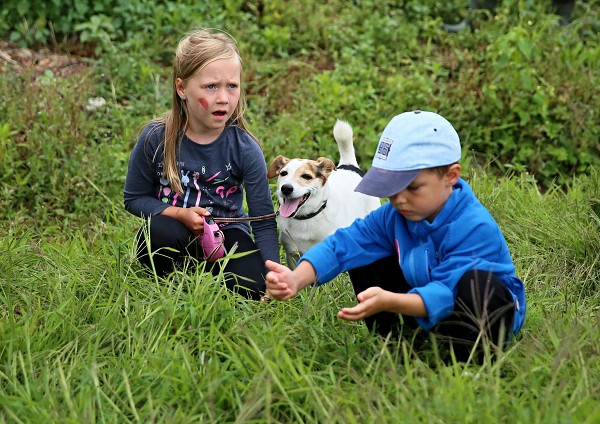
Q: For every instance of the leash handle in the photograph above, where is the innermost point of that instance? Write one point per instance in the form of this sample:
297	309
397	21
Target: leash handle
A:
212	240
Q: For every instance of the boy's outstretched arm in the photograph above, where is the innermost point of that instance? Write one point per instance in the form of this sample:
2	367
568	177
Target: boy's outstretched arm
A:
375	299
283	283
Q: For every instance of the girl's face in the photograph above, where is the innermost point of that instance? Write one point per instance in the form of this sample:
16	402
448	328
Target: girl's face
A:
426	195
211	97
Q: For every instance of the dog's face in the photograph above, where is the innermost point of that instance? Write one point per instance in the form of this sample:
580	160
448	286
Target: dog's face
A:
300	183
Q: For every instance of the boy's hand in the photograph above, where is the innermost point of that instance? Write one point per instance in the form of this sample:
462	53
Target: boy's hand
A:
281	282
372	300
375	299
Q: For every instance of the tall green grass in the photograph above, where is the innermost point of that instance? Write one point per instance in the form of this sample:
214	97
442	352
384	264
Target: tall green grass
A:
88	336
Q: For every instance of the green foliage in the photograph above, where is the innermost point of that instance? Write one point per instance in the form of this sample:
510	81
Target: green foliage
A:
550	146
35	22
87	336
99	30
521	90
104	22
57	150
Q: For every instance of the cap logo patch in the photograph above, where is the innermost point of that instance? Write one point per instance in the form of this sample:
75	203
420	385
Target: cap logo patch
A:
383	150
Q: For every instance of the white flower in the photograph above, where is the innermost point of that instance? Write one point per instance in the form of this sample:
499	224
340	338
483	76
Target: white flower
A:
95	103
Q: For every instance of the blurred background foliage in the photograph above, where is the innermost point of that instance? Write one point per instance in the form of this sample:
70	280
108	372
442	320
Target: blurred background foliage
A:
521	90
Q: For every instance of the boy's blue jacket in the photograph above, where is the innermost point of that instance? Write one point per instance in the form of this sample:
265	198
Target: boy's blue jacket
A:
433	256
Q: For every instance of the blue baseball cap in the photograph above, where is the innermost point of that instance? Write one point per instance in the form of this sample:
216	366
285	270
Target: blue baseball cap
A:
411	142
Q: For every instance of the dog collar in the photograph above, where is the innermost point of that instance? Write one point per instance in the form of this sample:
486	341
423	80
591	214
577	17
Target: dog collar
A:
310	215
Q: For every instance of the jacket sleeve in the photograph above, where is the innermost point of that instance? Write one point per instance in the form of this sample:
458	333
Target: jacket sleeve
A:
260	202
363	242
479	247
138	195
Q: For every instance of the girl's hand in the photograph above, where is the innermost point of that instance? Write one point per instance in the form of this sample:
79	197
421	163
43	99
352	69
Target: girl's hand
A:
190	217
371	301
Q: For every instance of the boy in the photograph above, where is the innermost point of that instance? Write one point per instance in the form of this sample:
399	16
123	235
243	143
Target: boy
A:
433	254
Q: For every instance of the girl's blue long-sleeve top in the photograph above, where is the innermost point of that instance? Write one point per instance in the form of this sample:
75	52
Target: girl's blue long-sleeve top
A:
433	256
215	176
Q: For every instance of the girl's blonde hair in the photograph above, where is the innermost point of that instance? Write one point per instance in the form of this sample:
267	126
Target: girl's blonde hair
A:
194	52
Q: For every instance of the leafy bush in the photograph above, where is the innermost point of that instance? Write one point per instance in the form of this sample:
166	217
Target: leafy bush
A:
534	94
520	89
512	88
107	23
62	160
36	22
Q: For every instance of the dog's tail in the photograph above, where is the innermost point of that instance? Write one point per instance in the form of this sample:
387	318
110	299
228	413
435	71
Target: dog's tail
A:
342	132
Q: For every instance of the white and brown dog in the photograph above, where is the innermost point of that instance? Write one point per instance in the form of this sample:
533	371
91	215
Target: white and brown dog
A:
316	198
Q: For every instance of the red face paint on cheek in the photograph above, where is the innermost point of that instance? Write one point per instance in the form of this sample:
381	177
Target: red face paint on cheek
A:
203	102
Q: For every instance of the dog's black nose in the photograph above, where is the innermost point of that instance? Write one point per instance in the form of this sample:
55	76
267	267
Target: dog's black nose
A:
287	189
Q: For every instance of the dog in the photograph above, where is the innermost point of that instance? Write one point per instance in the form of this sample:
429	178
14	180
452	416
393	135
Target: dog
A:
316	197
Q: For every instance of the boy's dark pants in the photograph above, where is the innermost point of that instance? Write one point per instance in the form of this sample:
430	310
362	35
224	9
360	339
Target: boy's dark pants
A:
172	243
483	306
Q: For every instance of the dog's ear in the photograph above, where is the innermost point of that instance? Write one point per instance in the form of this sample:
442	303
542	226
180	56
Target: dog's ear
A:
326	166
275	167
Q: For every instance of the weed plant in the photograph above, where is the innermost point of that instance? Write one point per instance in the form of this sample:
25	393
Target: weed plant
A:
88	336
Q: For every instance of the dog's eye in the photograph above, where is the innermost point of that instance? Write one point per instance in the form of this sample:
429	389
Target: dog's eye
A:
283	173
307	176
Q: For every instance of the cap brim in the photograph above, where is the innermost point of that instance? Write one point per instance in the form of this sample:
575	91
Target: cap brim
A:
383	183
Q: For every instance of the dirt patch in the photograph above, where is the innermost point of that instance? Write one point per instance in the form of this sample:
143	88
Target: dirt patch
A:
19	59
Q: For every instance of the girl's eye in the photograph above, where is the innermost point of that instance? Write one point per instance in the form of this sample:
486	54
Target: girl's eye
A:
211	86
307	177
233	86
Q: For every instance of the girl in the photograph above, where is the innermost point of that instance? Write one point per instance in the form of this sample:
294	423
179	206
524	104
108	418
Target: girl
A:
196	161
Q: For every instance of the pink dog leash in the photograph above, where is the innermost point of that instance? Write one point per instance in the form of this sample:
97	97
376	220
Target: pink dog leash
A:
248	218
212	239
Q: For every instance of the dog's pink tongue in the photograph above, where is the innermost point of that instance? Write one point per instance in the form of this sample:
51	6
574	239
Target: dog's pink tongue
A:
289	207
